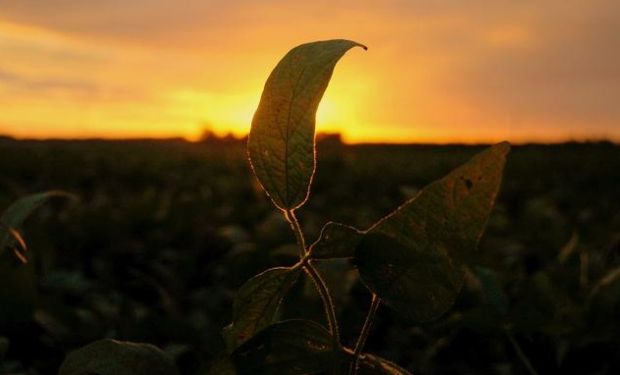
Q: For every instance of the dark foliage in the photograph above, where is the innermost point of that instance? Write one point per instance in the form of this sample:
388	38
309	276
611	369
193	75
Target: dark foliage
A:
166	232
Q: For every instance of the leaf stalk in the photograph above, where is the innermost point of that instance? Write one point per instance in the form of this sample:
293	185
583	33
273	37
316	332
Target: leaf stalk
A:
315	276
361	340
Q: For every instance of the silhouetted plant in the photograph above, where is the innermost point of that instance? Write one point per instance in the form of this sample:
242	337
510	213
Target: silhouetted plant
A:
413	260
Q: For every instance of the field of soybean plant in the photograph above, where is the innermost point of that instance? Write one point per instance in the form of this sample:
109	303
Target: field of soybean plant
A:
158	236
184	190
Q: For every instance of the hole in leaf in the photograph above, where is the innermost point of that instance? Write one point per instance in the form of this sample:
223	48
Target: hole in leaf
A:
468	184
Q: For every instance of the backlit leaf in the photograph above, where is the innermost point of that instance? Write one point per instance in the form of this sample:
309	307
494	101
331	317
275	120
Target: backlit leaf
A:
414	257
111	357
336	241
257	301
291	347
19	284
604	299
281	142
15	215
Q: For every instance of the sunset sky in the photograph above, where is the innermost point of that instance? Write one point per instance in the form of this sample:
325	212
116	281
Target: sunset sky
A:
435	71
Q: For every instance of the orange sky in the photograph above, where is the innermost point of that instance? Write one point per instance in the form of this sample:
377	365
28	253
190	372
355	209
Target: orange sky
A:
435	71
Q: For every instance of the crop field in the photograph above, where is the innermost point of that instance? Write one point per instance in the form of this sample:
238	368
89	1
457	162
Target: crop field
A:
161	234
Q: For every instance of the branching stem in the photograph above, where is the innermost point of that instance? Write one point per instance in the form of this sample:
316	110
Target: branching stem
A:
299	234
361	340
315	276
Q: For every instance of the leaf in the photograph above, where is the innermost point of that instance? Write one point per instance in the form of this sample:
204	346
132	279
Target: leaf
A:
15	215
373	365
604	298
19	287
336	241
569	248
414	257
291	347
15	238
257	301
281	144
111	357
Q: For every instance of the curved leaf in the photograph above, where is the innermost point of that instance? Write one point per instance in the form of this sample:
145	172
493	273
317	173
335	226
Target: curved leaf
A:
111	357
414	257
19	285
281	141
257	301
604	298
336	241
291	347
15	215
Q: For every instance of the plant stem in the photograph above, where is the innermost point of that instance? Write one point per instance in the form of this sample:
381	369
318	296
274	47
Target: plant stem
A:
328	304
526	362
315	276
299	234
361	340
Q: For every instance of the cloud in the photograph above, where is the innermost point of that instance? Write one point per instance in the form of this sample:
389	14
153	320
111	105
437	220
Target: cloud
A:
566	73
451	65
32	85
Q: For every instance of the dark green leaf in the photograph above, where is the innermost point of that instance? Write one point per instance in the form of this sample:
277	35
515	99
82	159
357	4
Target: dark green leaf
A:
18	280
111	357
257	301
15	215
604	299
281	142
336	241
291	347
414	258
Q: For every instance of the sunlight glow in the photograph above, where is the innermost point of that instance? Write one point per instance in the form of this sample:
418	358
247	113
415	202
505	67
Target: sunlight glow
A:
441	73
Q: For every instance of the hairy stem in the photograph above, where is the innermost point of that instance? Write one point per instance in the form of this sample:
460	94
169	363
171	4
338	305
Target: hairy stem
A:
315	276
328	304
299	234
361	340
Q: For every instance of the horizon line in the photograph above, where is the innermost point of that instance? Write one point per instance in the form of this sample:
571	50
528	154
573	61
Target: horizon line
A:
231	138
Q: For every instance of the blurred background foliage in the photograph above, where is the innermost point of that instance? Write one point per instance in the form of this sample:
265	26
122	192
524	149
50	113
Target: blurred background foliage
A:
164	232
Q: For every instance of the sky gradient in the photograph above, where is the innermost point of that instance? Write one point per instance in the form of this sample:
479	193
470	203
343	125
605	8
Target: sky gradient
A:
435	71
